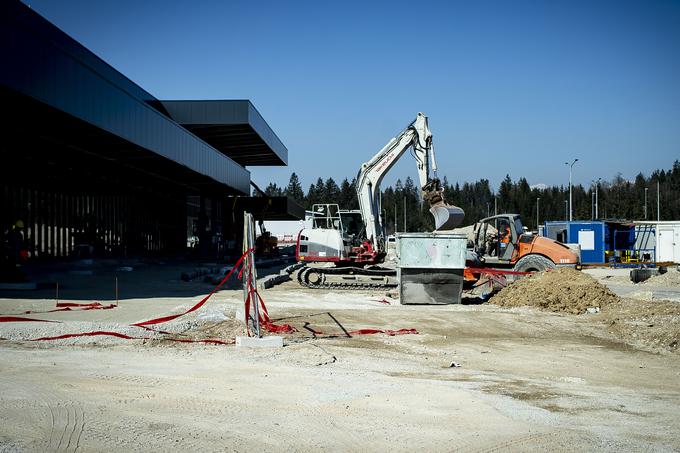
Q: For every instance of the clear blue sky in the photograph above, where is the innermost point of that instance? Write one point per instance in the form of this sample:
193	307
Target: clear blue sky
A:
510	87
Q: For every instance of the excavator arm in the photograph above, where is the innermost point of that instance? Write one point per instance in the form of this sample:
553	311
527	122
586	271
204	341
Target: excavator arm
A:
417	136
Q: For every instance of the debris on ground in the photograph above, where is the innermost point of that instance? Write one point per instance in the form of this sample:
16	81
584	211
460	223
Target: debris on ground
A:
563	290
649	325
671	279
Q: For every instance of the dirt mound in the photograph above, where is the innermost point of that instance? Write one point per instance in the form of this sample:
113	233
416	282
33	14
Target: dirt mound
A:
671	279
650	325
563	291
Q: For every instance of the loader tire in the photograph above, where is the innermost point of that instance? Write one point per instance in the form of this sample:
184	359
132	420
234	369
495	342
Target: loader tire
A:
533	263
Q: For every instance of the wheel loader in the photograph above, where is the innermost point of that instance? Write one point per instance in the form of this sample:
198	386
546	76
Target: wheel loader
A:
501	242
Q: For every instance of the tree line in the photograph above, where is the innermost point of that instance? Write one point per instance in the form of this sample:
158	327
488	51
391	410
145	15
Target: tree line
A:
403	207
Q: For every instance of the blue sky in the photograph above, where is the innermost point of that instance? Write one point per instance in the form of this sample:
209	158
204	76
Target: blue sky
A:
510	87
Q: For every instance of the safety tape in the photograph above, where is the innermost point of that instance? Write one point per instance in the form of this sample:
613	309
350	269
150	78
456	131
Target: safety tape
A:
481	270
67	306
253	296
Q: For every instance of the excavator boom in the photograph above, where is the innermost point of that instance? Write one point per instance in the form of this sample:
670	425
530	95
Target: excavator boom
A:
418	136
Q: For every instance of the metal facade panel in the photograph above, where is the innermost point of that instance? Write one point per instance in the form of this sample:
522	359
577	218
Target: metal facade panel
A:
44	63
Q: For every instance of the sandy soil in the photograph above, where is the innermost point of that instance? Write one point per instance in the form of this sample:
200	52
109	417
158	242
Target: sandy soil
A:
528	380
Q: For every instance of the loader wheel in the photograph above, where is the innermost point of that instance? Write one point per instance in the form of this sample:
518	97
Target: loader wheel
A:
533	263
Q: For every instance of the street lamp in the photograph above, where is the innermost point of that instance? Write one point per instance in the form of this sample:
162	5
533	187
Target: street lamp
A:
592	205
571	166
646	189
597	184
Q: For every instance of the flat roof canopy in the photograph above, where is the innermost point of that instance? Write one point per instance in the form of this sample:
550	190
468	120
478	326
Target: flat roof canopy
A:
233	127
48	70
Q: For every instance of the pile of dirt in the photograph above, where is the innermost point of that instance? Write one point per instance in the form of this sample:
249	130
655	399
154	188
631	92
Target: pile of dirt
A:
649	325
671	279
563	291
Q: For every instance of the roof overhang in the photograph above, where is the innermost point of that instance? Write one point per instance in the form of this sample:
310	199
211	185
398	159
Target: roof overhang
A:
54	80
234	127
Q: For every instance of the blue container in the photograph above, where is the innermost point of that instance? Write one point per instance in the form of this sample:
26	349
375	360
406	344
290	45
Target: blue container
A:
591	237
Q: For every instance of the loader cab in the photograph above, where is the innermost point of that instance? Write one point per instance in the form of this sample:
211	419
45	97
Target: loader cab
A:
497	237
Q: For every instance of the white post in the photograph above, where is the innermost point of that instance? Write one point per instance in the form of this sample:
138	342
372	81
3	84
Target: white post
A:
646	203
249	271
571	166
495	206
538	227
597	184
592	205
658	204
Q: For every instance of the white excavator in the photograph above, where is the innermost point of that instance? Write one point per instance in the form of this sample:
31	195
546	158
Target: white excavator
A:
355	240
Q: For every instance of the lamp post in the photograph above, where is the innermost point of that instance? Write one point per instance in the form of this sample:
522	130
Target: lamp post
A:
597	184
538	228
571	166
566	210
658	205
592	205
646	202
495	206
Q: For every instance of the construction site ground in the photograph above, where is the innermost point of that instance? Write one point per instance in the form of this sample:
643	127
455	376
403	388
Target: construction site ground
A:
476	377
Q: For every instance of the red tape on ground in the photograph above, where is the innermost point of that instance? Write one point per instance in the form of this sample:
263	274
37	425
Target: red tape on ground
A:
128	337
389	332
20	319
70	306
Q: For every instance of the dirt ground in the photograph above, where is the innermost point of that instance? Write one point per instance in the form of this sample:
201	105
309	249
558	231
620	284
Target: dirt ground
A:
475	377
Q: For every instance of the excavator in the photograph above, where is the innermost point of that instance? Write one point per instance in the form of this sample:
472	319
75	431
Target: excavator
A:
354	240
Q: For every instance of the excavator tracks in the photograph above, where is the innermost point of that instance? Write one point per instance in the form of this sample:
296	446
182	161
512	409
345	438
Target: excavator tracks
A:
347	278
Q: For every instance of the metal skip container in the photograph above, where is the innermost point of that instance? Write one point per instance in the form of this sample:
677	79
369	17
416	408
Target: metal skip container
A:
430	269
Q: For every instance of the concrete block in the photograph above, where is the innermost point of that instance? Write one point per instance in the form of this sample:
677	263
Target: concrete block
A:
264	342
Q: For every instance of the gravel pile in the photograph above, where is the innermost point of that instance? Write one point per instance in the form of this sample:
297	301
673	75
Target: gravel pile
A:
562	291
670	279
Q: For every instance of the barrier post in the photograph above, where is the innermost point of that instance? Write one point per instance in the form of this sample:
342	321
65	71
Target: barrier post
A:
250	273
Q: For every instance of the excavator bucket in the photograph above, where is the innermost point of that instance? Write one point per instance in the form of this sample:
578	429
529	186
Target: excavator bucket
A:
446	217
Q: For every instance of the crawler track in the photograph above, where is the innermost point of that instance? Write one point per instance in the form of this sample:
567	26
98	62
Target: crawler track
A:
347	278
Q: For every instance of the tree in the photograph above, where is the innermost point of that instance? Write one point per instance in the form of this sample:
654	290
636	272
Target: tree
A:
294	189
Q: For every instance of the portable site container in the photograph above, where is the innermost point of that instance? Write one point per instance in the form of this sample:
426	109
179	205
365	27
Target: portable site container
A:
591	236
666	239
430	269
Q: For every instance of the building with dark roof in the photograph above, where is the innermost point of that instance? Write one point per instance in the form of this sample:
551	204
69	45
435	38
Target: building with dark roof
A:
90	158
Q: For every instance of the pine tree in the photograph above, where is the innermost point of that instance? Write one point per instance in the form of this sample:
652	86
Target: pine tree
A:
294	189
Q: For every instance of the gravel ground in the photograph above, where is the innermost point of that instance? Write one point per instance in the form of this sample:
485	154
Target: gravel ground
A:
475	378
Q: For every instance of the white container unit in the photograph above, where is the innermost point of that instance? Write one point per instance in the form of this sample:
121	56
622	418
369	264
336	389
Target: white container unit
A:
667	240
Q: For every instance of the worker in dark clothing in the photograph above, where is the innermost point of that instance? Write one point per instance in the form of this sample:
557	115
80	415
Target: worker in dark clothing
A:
15	253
